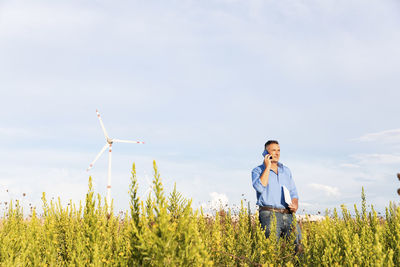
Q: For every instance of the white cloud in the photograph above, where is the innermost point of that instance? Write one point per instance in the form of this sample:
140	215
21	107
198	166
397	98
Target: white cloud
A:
7	132
376	159
388	136
329	190
330	183
349	165
305	204
47	22
218	201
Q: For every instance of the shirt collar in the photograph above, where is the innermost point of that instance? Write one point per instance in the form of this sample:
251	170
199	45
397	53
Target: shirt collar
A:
280	165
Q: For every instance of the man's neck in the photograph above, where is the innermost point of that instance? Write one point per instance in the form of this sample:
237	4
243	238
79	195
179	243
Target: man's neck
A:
273	164
274	167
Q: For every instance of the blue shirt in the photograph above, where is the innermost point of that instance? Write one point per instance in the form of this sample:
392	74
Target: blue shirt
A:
272	194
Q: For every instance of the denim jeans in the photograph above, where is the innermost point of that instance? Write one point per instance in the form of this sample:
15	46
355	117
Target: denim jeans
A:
284	225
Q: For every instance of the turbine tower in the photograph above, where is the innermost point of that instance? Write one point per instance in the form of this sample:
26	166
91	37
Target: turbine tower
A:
109	143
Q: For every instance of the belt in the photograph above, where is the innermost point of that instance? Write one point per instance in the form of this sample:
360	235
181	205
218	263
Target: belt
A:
276	210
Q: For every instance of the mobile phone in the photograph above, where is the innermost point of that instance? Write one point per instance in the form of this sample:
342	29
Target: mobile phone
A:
265	153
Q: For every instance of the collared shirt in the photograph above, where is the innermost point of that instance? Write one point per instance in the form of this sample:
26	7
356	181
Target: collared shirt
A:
272	194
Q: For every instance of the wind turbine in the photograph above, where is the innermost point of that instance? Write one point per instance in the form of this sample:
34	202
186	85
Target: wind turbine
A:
109	143
149	188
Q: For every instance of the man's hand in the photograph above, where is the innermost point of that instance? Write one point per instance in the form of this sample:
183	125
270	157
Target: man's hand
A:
267	161
294	206
265	175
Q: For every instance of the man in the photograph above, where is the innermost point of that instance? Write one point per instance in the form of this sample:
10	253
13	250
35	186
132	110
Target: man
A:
269	180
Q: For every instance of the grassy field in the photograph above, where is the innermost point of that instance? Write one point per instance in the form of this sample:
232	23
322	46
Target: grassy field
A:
164	230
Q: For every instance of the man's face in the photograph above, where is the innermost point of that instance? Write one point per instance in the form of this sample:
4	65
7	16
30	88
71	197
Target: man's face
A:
275	151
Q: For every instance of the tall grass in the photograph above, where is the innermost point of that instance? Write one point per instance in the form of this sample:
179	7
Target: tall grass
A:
164	230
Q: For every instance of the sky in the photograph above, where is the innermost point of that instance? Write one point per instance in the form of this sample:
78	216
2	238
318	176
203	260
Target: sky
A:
204	84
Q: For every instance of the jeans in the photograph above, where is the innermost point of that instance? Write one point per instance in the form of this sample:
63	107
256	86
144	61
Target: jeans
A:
284	225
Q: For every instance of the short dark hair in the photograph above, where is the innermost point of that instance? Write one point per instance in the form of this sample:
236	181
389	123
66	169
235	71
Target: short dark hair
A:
270	142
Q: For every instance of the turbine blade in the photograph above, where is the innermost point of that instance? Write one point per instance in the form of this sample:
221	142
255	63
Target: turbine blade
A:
127	141
102	125
97	157
145	192
147	180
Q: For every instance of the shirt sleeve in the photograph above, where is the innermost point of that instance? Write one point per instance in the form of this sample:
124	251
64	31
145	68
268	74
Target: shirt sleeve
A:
258	186
292	189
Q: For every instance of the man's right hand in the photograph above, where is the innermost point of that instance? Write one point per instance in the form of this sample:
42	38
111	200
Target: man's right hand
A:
267	161
265	175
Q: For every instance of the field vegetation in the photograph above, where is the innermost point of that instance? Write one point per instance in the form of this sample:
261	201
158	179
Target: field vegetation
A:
164	230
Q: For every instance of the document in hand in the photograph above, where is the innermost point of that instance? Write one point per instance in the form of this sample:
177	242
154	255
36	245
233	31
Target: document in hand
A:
286	194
